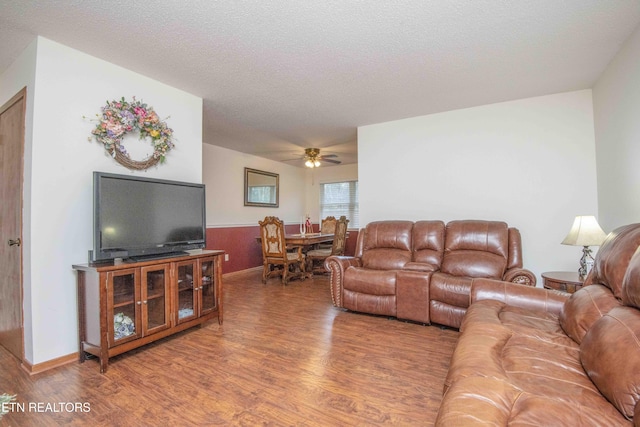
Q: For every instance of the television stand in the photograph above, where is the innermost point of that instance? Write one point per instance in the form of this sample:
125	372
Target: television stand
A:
125	305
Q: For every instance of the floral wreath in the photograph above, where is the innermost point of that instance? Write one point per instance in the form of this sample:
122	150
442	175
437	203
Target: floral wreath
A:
121	117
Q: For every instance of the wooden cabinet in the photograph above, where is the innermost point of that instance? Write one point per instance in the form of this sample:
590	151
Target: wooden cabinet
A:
195	293
123	305
138	301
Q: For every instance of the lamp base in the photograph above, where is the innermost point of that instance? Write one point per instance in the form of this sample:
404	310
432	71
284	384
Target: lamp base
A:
586	263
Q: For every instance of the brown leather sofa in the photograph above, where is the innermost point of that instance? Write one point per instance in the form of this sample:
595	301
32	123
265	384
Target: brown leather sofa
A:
422	271
531	356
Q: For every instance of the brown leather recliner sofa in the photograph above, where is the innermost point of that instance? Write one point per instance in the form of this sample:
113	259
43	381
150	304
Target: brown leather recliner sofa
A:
531	356
422	271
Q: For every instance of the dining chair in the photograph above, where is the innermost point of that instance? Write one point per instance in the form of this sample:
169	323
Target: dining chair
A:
327	226
277	261
316	257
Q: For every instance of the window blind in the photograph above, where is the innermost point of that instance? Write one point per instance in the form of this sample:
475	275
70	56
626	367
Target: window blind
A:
340	198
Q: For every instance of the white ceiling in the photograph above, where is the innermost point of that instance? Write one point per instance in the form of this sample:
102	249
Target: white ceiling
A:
279	76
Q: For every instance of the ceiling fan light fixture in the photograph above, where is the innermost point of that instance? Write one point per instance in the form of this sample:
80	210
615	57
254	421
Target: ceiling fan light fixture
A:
312	158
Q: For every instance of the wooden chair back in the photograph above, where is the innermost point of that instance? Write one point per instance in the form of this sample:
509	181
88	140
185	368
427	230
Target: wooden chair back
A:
272	237
276	259
340	236
328	225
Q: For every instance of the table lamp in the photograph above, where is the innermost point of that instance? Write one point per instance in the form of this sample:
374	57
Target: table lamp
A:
585	232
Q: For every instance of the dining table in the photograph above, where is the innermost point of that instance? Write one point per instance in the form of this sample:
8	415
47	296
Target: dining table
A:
308	239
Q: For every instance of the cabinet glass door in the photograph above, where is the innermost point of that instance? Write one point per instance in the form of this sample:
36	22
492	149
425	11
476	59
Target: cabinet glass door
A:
207	286
123	306
155	298
186	298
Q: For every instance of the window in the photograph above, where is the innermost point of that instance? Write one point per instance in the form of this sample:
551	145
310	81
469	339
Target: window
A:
340	198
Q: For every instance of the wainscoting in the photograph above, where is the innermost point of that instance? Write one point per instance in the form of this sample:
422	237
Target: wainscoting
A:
243	249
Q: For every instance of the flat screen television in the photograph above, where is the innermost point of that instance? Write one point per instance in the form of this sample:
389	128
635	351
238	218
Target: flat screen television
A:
138	218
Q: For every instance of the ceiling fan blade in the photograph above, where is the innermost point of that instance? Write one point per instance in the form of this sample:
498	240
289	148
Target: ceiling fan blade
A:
325	156
337	162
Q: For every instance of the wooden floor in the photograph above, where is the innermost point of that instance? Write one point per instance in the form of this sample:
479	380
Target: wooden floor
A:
284	357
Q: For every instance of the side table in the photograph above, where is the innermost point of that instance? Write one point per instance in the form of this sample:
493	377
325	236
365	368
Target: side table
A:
565	281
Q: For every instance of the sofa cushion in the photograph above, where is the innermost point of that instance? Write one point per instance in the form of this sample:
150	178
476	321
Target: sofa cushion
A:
613	258
428	242
370	291
373	282
384	305
485	401
631	282
541	325
452	289
608	354
584	308
476	249
446	314
527	348
387	245
449	297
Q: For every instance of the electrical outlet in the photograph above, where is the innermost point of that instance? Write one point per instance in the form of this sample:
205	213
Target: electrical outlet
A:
226	257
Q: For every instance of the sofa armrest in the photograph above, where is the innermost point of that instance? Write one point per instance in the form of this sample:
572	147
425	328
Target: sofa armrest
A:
521	276
336	265
517	295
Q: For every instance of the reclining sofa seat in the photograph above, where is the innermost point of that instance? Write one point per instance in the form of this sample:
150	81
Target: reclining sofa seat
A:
531	356
474	249
370	284
422	271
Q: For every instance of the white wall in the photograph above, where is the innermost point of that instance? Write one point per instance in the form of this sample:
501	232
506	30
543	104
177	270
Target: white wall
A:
70	85
223	174
616	99
529	162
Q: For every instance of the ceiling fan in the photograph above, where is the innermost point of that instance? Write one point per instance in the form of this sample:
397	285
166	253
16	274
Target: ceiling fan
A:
313	159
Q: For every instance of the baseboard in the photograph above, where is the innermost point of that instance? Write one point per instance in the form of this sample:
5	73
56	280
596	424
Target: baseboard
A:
49	364
240	272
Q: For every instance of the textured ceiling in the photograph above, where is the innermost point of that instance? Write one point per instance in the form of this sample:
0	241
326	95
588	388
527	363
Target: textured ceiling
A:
279	76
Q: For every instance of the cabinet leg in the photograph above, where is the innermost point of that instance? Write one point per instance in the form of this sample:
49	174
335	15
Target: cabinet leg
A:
104	361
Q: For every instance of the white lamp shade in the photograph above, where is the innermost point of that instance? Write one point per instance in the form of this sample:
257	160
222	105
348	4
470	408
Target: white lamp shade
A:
585	231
